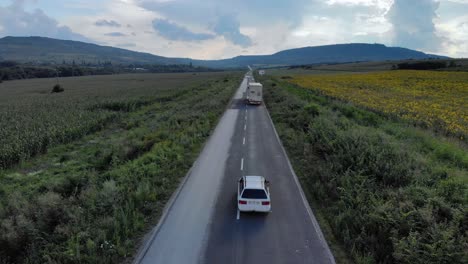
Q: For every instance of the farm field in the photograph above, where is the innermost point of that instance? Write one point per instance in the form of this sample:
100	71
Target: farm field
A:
383	191
360	67
87	171
428	98
33	119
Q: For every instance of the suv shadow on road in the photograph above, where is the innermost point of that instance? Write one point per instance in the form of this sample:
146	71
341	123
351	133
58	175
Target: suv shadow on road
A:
237	104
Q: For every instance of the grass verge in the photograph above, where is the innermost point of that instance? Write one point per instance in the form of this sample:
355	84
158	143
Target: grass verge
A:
385	192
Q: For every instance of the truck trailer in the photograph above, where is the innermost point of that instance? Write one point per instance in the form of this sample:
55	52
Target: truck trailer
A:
254	94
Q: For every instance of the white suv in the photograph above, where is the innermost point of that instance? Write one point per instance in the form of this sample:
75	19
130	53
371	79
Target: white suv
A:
253	194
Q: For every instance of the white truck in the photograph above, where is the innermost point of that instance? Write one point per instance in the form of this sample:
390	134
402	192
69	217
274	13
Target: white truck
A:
254	93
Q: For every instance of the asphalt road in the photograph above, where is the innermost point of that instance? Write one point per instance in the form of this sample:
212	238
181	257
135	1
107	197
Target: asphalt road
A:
202	224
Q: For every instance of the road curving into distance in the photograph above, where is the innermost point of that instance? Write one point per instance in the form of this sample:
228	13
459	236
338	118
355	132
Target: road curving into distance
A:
201	223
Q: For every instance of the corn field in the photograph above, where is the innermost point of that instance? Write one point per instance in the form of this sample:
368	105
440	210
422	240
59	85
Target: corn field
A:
32	118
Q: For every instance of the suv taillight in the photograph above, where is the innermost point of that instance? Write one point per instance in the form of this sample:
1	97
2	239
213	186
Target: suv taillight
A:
242	202
265	203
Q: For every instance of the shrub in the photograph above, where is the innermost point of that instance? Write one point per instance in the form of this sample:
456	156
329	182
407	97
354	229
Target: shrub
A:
57	89
312	109
49	211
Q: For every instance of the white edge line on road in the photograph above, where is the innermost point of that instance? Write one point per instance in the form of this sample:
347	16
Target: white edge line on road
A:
304	200
149	238
149	241
242	164
243	141
238	214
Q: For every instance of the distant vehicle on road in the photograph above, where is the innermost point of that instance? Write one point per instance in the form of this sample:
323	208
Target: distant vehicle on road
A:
253	194
254	94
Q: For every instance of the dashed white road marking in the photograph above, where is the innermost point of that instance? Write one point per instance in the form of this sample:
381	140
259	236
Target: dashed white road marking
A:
245	127
238	214
242	164
243	141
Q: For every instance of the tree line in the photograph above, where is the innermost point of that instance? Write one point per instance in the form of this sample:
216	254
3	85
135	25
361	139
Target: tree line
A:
11	70
425	65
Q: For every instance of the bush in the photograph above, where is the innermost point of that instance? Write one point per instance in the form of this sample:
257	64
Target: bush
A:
312	109
57	89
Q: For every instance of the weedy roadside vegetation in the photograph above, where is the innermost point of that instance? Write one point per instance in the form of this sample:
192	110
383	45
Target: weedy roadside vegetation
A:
388	191
90	200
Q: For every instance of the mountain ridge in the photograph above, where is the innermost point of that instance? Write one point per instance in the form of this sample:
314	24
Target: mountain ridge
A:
48	50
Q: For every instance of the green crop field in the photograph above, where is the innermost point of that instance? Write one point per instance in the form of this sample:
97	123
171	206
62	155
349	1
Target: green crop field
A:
33	119
384	190
84	173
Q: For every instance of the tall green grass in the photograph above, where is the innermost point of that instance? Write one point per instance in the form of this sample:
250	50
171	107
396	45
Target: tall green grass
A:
391	193
91	200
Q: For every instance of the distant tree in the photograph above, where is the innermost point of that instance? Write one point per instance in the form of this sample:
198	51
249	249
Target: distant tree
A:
452	64
8	63
424	65
57	89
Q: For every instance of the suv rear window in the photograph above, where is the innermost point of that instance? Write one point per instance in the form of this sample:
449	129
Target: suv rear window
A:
254	194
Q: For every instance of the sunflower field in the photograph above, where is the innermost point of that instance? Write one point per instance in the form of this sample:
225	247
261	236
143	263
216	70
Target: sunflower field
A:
436	100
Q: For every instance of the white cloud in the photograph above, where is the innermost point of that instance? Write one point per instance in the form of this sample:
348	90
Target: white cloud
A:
457	29
16	21
413	24
252	27
383	4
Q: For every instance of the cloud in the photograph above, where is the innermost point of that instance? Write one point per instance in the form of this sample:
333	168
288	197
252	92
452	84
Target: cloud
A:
228	27
253	11
115	34
413	24
172	31
15	21
126	45
229	18
107	23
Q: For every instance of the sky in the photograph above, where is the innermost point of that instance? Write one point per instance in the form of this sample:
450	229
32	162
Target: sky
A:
216	29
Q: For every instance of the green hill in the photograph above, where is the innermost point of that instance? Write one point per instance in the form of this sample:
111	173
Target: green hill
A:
47	50
339	53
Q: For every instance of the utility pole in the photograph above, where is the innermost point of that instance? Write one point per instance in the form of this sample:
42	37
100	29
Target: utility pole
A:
56	76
